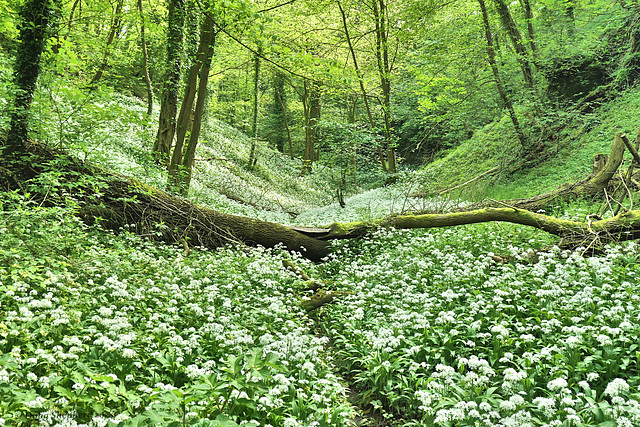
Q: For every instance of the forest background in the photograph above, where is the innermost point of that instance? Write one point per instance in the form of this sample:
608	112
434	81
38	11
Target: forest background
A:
352	84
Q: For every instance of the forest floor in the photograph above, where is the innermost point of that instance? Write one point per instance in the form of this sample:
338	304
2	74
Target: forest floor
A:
486	324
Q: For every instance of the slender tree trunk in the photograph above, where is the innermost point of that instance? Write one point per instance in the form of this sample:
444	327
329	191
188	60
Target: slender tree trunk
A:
528	14
190	152
71	16
184	119
380	151
280	100
384	70
169	99
571	19
145	62
516	39
312	100
35	18
111	37
496	73
254	116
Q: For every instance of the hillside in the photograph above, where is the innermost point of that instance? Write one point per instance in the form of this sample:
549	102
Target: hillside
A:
571	141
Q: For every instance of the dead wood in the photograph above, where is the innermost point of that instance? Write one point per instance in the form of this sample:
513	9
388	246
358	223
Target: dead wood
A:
476	178
123	202
321	298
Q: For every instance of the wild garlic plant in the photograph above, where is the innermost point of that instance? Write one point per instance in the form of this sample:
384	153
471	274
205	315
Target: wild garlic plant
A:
436	332
98	329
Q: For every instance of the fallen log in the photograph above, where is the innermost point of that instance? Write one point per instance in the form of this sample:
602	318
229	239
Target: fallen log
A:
624	226
116	201
605	167
589	187
119	201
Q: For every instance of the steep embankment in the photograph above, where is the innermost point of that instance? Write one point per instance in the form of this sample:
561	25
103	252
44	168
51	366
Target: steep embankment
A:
111	130
570	140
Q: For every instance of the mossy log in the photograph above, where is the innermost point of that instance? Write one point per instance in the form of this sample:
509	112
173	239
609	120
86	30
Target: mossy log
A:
116	201
625	226
144	207
321	298
590	187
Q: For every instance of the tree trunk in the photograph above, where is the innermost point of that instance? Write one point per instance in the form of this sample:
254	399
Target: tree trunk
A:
586	188
35	18
145	62
115	27
76	3
384	70
312	116
571	19
491	54
280	102
254	116
125	201
169	99
184	119
190	152
528	14
185	222
383	163
625	226
516	39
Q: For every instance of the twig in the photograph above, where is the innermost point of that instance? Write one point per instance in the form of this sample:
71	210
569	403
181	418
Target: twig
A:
490	171
607	200
631	148
506	205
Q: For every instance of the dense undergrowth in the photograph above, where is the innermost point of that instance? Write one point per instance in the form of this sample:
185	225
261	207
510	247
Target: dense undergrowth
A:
440	331
98	328
462	326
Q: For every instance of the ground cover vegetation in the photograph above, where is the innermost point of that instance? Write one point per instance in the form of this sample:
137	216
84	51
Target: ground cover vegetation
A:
306	113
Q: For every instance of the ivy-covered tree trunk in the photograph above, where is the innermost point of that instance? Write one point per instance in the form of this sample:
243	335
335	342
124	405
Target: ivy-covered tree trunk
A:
570	10
184	119
36	19
169	99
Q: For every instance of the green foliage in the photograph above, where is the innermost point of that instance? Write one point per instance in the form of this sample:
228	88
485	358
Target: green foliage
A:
349	151
495	145
98	328
449	327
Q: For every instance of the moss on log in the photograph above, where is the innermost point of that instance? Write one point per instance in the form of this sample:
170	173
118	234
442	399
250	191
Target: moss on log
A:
625	226
586	188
